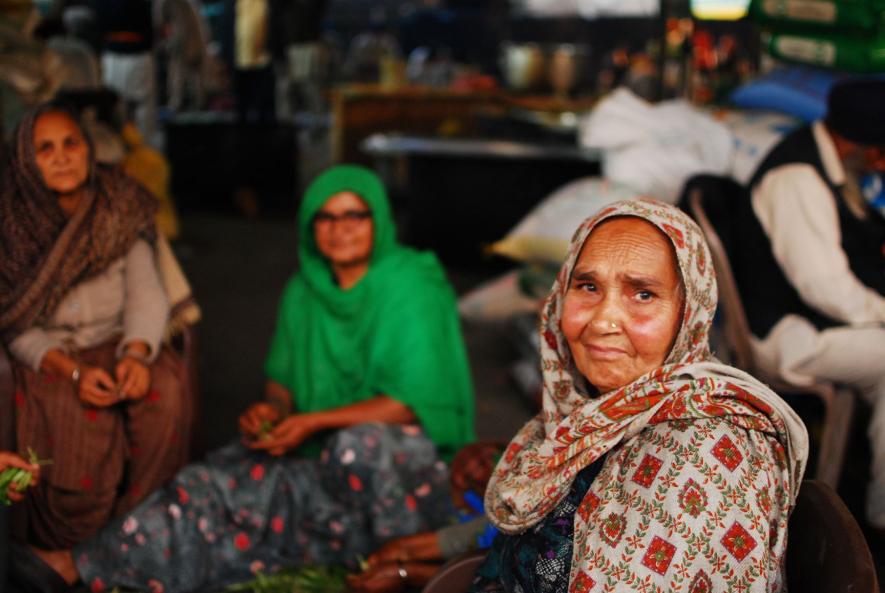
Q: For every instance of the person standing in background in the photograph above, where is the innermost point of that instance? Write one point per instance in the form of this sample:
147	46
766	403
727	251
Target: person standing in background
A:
127	59
253	78
294	41
185	41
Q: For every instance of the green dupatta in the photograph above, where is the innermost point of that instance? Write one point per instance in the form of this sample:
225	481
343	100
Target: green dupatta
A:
395	333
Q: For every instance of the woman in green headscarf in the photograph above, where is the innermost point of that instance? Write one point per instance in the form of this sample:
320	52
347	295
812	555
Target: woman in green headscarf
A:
367	329
368	353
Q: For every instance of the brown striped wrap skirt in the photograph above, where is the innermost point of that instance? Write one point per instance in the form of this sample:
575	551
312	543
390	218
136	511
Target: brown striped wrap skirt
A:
104	460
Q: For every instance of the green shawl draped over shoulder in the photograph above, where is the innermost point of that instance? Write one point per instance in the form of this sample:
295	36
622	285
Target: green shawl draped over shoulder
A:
395	333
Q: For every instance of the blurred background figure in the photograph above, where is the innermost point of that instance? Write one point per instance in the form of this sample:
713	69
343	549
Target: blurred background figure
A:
150	167
294	40
127	59
79	67
370	48
184	43
29	73
253	78
80	22
19	14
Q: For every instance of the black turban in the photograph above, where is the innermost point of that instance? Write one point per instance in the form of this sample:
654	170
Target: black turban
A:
856	111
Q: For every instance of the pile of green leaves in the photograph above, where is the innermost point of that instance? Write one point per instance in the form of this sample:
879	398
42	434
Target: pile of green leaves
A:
18	478
308	579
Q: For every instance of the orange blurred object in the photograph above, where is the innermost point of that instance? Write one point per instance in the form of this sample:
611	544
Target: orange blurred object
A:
475	83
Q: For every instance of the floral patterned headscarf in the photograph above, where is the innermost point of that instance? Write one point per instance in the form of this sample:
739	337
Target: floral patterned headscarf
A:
577	426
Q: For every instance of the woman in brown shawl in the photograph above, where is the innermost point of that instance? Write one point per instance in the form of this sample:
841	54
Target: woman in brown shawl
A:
83	311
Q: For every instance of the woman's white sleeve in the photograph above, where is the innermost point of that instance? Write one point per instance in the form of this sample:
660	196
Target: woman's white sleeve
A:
146	306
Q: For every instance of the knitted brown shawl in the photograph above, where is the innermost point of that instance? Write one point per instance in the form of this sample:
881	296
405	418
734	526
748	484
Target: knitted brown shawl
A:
43	253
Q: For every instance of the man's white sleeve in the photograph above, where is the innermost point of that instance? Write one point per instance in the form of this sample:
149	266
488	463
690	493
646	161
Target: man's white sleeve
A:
796	209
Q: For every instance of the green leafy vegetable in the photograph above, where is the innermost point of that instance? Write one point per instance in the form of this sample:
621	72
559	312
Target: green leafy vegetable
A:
18	478
308	579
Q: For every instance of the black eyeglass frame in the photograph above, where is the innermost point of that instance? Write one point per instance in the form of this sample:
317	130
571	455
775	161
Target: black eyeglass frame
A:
348	217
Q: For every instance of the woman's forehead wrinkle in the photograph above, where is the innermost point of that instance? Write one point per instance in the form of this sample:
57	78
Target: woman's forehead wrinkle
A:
635	253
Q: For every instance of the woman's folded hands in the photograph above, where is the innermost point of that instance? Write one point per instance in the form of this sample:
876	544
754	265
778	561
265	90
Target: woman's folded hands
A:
96	387
133	378
405	561
287	434
265	428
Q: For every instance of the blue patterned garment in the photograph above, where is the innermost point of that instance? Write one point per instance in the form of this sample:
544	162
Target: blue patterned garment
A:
242	512
538	560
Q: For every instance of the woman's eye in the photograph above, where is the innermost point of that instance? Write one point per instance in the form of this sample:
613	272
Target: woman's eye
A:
587	286
644	295
72	142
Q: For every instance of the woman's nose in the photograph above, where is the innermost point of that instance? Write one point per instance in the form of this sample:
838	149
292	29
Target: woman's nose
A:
607	316
60	156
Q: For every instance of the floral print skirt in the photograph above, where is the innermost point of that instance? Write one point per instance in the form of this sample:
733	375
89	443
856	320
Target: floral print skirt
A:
243	512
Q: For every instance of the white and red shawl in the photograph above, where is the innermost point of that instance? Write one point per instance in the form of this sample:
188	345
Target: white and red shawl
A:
704	461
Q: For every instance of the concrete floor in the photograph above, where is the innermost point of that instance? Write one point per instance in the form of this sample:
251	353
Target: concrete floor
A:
238	268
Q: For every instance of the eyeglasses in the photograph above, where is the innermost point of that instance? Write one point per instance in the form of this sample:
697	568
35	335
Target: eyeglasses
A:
348	218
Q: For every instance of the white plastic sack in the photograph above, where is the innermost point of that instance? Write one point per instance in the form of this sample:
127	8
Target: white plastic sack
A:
499	298
544	234
547	8
655	148
589	9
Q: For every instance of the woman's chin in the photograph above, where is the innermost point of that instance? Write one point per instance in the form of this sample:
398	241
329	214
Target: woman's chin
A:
606	382
602	376
604	385
64	188
349	260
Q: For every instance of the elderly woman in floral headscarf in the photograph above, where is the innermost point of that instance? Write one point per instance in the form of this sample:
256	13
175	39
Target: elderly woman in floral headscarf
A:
652	467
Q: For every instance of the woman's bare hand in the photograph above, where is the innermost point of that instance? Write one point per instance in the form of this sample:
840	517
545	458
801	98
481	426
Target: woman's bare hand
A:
255	415
381	579
8	460
96	387
133	378
286	435
411	548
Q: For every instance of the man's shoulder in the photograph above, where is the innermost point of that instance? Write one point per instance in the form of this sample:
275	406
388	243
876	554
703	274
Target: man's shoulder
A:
798	146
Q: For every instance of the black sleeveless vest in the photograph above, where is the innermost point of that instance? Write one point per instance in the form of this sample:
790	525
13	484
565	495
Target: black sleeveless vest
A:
767	294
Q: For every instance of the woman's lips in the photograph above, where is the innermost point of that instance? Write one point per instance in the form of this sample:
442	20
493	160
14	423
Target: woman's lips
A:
605	352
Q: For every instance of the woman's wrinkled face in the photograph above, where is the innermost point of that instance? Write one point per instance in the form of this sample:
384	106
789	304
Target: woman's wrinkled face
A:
62	152
343	230
622	309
